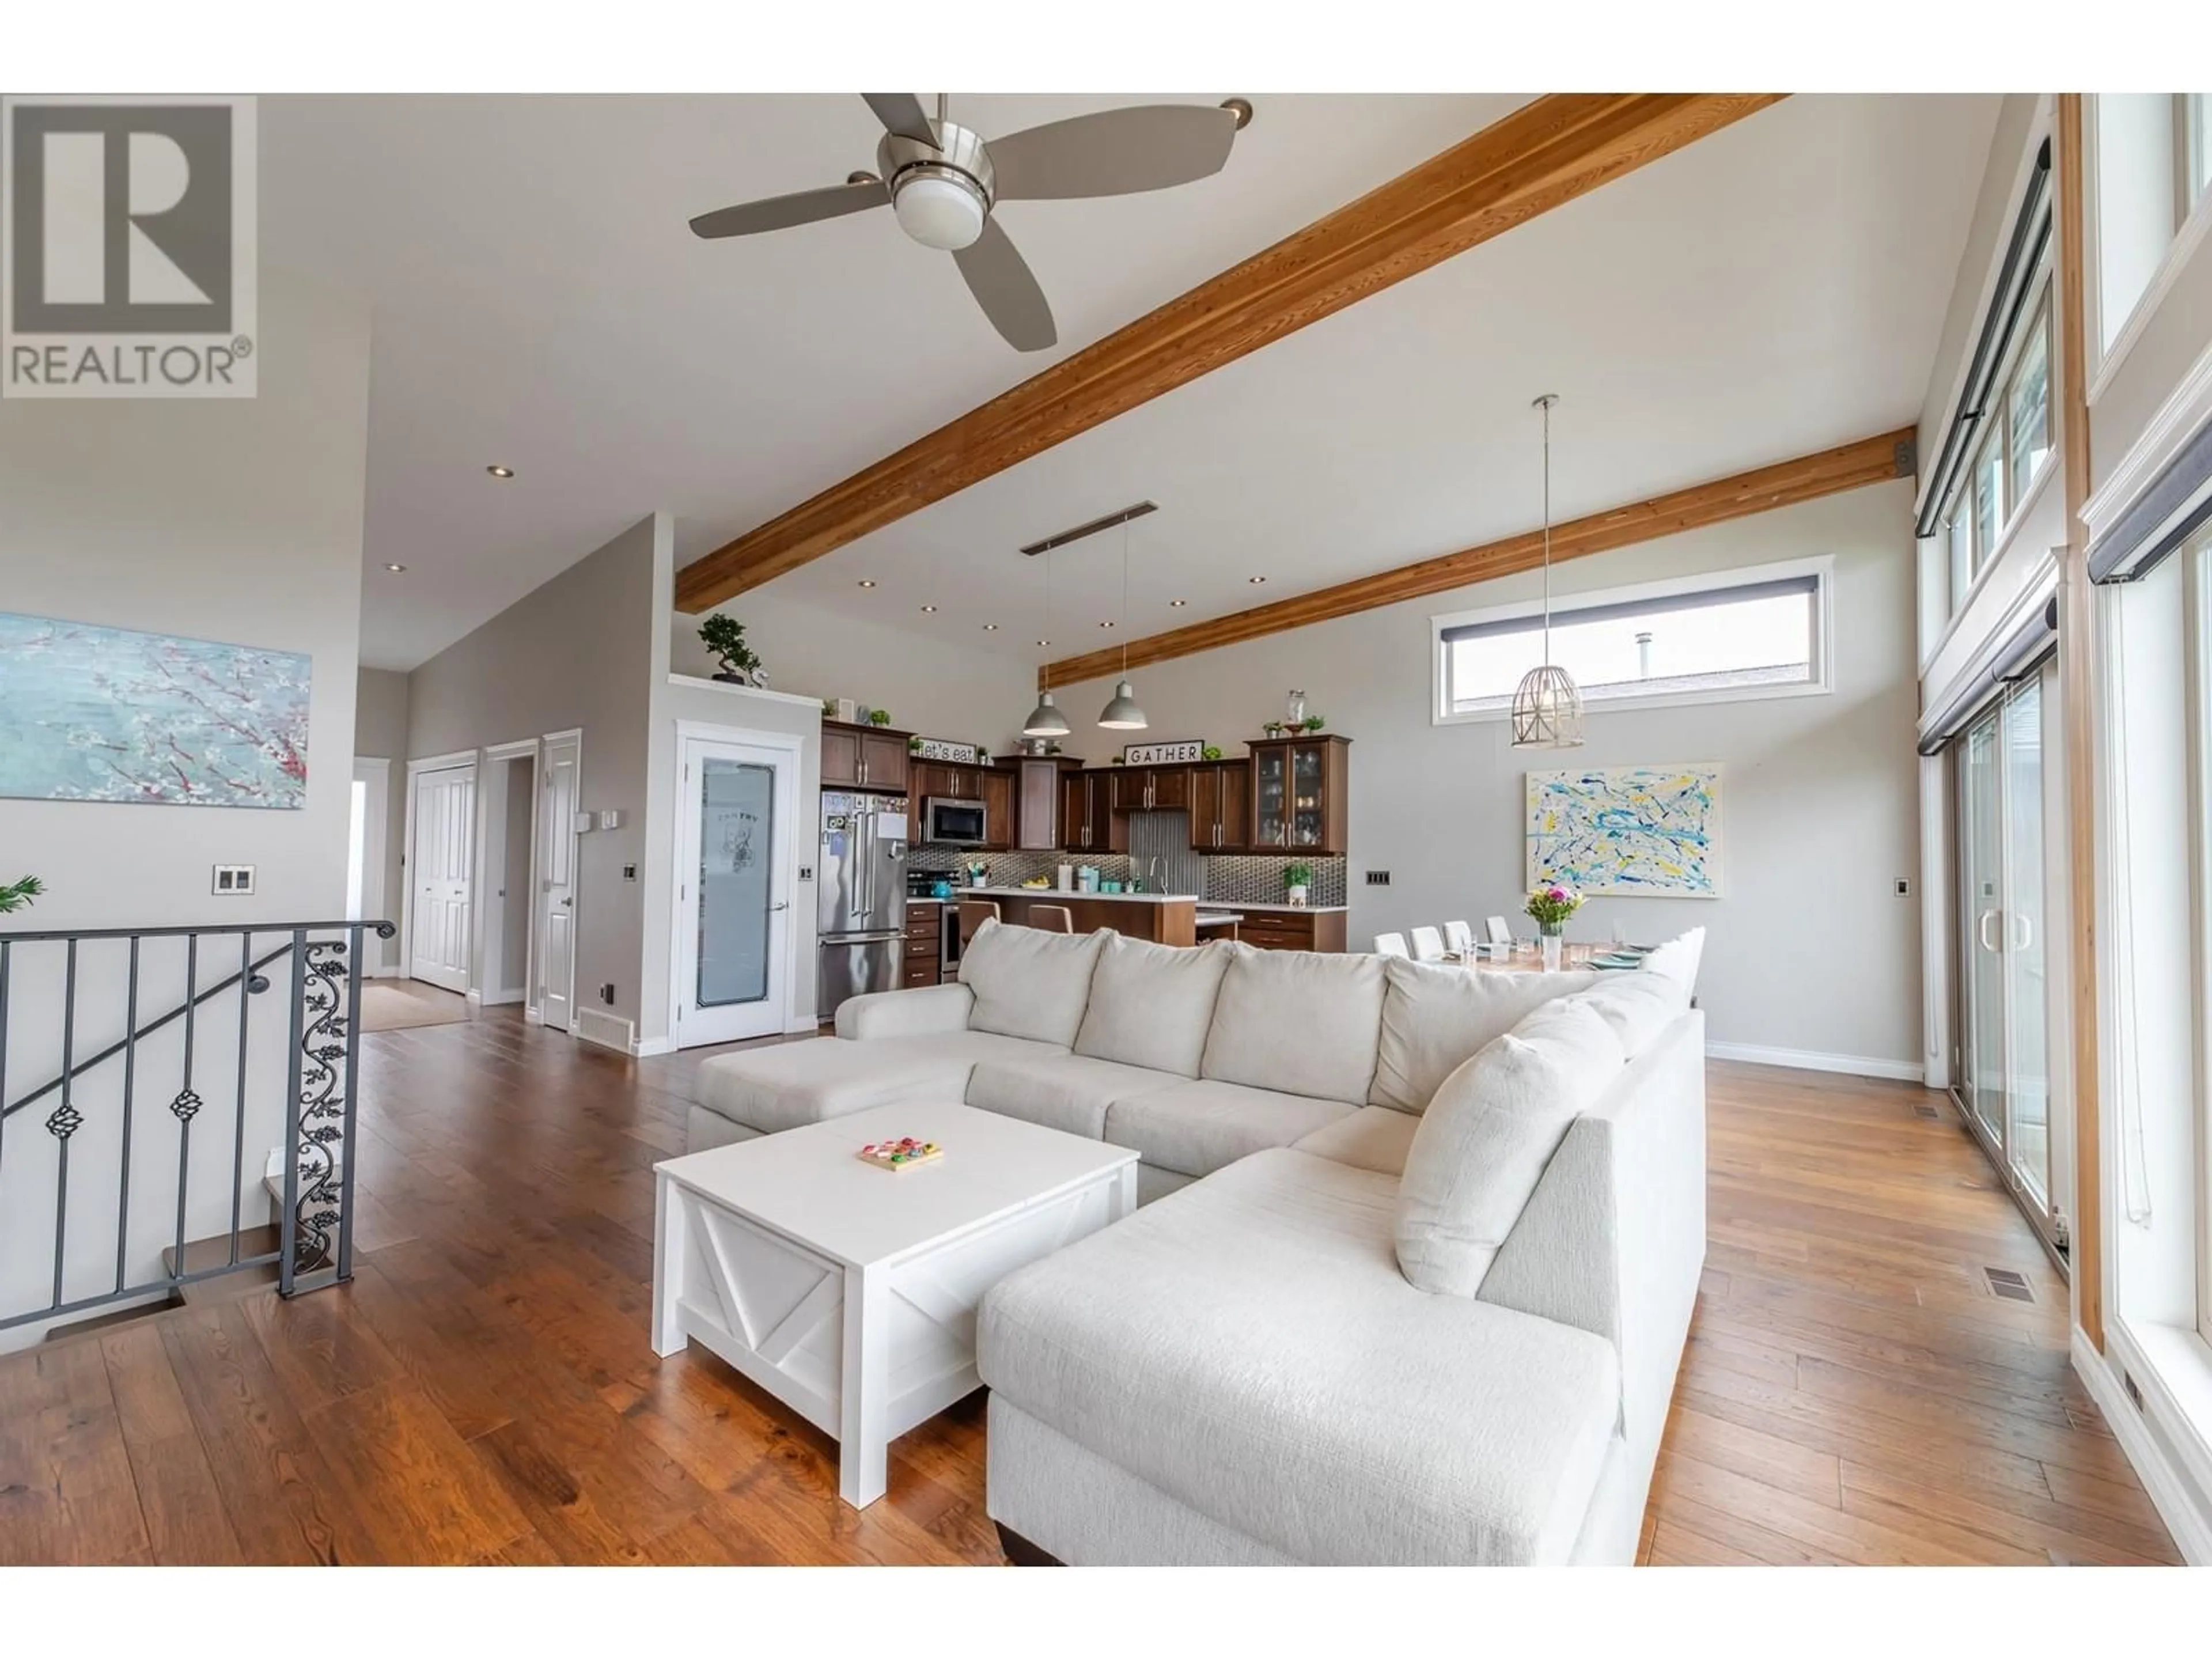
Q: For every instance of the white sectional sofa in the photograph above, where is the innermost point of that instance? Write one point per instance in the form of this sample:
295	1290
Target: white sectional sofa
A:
1252	1371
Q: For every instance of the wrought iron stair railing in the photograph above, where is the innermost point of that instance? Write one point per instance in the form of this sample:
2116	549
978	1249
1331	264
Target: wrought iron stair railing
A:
316	1076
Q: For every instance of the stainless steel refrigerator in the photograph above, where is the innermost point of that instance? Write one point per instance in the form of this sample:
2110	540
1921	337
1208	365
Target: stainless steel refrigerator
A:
863	888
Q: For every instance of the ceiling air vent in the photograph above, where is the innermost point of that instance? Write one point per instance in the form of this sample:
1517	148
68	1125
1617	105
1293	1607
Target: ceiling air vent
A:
2007	1284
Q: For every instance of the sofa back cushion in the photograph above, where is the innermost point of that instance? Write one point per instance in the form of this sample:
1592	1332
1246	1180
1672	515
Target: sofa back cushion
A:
1638	1006
1030	983
1435	1017
1298	1022
1152	1004
1678	959
1483	1143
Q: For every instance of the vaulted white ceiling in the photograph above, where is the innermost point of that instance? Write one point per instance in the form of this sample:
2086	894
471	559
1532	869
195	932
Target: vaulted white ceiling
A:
539	302
1774	290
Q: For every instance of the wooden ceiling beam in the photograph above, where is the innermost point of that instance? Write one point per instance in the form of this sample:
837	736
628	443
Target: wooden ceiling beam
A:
1547	152
1808	477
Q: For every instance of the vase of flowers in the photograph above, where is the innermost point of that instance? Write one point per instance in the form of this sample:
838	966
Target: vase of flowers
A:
1550	905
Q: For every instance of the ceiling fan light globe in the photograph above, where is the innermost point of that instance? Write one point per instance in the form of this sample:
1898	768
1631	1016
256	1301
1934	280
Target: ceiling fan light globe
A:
940	209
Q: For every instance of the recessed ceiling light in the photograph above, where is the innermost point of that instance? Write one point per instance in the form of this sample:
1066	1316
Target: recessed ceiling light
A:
867	582
1106	624
1255	580
929	607
1044	641
395	568
990	628
1177	604
498	472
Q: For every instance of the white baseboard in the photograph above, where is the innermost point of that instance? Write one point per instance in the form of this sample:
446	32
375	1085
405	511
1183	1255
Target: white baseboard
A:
531	1015
1808	1060
498	999
382	970
646	1048
2170	1493
607	1030
474	997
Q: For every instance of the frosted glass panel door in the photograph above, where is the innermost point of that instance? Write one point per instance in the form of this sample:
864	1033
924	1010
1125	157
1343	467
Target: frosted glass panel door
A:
1983	933
733	895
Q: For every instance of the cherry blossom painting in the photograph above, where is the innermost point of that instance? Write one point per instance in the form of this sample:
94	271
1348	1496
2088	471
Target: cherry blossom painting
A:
109	714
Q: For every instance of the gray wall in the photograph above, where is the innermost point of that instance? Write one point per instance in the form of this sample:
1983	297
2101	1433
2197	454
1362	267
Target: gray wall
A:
929	685
575	653
232	520
1811	950
380	733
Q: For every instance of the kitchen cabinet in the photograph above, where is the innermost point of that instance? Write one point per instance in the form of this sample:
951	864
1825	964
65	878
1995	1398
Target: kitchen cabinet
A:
1040	799
863	757
1300	794
1086	812
1150	789
995	788
1220	806
1292	930
921	965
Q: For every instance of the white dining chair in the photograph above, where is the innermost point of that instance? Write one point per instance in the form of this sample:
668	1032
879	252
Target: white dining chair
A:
1428	945
1391	944
1498	932
1458	939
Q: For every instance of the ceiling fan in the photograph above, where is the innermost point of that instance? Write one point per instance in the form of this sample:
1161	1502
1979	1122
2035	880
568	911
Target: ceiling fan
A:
942	180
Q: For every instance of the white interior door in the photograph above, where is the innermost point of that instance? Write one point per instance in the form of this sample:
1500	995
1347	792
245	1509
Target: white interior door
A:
733	890
557	884
438	931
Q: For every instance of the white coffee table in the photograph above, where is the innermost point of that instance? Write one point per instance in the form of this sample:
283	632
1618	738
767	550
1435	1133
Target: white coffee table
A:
849	1292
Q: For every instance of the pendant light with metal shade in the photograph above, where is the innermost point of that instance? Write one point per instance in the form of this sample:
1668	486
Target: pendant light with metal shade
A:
1045	721
1548	705
1121	714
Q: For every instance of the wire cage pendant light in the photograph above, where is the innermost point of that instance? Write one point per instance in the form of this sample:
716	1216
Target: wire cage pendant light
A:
1045	721
1121	713
1548	705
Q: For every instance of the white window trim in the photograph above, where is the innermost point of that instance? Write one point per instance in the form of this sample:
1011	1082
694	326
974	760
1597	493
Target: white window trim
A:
1822	567
2105	367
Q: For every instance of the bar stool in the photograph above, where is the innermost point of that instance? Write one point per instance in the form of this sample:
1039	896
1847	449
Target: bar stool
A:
974	913
1051	918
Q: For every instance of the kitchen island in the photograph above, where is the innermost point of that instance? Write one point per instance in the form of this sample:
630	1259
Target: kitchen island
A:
1171	918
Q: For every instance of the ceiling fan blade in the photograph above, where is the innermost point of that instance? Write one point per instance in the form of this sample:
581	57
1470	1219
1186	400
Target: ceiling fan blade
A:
782	212
1003	284
1115	152
900	112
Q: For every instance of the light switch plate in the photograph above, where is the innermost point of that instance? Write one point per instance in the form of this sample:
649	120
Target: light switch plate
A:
610	819
233	880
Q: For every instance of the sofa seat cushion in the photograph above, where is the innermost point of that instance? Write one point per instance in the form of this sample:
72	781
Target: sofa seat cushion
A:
1248	1347
1067	1092
1152	1004
1301	1022
1374	1137
1437	1017
796	1083
1029	983
1193	1128
1484	1142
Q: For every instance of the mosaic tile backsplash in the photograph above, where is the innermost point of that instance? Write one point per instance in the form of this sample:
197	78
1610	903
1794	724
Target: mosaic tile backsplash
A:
1239	879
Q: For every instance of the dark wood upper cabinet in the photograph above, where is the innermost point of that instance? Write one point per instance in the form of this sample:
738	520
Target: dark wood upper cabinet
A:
1086	811
1041	799
1150	789
863	757
1220	806
997	793
1300	794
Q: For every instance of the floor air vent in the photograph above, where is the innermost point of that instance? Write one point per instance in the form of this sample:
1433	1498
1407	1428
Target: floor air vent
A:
1926	1111
2005	1283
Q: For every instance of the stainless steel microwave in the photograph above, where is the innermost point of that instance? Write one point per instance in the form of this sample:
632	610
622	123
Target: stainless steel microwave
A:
948	822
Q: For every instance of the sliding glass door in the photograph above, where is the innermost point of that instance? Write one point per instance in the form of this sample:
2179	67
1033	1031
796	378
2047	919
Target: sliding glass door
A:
2004	1048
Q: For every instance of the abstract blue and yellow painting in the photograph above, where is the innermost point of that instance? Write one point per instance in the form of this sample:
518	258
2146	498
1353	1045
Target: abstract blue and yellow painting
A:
1627	830
109	714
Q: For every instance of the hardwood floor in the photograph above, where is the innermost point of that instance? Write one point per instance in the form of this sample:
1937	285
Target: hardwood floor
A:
483	1391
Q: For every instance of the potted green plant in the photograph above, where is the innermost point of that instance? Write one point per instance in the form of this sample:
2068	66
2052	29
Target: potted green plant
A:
1273	728
18	894
1211	751
879	717
914	744
1314	722
724	635
1298	880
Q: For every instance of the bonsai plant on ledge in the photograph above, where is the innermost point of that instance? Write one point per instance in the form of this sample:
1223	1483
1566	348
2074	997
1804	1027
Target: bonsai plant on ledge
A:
724	635
17	896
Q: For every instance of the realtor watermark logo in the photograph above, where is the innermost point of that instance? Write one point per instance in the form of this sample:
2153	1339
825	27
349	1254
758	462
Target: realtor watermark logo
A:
127	247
